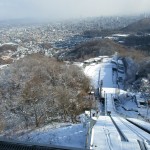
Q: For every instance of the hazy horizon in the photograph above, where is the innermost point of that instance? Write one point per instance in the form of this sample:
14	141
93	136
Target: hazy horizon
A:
67	9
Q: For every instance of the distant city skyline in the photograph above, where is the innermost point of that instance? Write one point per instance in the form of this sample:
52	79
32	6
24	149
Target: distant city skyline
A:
67	9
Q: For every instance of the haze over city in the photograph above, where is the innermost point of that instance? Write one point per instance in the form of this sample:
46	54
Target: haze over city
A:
66	9
75	74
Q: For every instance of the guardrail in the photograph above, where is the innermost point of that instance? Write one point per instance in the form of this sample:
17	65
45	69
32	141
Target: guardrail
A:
89	127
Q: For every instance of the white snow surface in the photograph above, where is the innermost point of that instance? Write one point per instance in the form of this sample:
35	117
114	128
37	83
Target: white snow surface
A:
104	134
92	71
3	66
69	136
121	35
101	71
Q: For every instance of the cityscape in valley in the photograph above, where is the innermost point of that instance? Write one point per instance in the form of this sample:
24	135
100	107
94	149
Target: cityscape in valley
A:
79	82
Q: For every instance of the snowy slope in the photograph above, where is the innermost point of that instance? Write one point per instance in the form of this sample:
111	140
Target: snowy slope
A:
105	134
70	136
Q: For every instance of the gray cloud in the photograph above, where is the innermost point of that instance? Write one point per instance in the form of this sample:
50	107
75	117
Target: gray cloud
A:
63	9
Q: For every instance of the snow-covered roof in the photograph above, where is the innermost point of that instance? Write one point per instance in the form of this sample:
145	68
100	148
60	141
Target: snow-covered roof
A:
121	35
10	43
120	62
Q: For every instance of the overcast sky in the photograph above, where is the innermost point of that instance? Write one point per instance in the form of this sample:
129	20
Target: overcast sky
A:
65	9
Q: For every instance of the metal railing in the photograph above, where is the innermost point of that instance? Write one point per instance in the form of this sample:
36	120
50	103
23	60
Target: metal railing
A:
89	127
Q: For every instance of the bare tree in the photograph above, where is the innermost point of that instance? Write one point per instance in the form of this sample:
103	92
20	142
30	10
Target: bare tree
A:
37	90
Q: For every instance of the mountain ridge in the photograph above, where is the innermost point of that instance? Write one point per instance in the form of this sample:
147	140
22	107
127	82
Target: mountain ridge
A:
142	25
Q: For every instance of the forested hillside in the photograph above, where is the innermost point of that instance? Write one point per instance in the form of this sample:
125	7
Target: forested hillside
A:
37	90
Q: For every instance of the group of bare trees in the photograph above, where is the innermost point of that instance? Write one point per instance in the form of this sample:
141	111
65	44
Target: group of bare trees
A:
37	90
